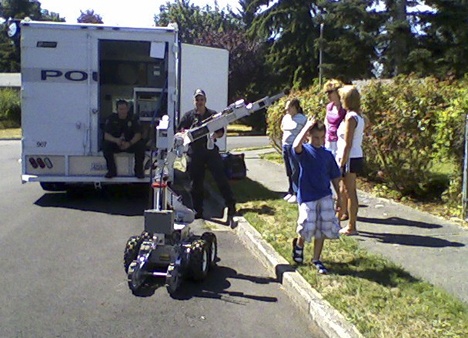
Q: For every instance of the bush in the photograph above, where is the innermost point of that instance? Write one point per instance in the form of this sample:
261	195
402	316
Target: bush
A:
414	123
256	121
403	118
10	108
312	102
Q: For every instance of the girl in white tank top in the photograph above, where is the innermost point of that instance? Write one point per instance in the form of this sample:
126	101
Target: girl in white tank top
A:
349	156
356	146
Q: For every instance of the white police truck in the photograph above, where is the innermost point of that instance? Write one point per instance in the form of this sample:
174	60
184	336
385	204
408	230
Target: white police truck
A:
72	76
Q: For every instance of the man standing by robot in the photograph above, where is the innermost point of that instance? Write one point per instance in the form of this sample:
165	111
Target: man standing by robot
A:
204	153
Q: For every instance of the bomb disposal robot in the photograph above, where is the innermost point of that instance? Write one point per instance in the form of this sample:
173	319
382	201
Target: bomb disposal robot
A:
167	248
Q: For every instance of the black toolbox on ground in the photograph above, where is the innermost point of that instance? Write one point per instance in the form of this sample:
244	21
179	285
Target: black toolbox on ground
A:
234	165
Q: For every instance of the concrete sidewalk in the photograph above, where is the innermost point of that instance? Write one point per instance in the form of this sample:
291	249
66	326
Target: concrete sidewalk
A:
426	246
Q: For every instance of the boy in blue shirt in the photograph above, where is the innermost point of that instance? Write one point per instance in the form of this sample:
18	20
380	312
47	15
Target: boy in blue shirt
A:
317	215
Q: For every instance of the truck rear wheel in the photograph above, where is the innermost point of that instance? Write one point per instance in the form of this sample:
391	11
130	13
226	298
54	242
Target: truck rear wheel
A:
53	186
199	260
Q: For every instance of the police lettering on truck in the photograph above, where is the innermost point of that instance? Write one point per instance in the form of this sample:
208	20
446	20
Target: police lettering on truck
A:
71	75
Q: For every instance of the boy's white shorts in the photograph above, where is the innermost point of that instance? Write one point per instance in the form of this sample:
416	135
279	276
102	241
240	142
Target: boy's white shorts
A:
317	219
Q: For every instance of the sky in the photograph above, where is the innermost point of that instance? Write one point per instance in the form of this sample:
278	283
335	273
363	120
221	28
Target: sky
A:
134	13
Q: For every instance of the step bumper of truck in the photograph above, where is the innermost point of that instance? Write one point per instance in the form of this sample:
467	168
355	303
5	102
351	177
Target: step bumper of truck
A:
84	179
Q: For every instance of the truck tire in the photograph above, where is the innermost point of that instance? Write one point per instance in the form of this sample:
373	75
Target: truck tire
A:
212	243
198	262
131	250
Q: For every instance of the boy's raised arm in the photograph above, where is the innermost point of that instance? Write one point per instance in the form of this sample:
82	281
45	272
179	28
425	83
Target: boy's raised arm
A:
302	136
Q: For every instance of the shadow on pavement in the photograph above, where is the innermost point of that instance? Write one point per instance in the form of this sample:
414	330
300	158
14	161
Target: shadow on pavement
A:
281	269
388	277
128	200
397	221
118	199
410	240
218	220
244	187
215	286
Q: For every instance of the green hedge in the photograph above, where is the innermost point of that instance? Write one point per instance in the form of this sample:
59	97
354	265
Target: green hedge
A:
10	108
415	123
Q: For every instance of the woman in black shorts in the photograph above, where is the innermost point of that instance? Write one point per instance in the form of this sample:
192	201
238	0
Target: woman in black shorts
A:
349	155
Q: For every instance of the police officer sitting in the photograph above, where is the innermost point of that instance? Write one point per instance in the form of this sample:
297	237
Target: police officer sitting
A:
122	133
204	153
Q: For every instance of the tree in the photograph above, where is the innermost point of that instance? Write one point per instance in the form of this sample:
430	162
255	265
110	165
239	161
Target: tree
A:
9	54
289	28
443	40
292	30
51	16
249	75
351	30
396	38
18	9
425	40
193	21
89	17
222	29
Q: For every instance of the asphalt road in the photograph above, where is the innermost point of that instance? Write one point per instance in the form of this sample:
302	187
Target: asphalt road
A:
236	142
62	272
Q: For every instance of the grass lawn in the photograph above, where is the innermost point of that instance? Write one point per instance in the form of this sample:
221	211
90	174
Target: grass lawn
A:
379	297
241	130
10	133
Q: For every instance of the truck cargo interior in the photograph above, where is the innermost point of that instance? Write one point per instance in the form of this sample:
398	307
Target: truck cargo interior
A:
135	71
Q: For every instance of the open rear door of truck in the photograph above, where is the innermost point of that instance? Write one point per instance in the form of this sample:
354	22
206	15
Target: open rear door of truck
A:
206	68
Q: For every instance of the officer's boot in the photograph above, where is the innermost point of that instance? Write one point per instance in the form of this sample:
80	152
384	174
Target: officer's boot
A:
231	212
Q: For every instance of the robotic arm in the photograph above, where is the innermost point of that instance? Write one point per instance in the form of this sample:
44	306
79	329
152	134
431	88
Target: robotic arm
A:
234	112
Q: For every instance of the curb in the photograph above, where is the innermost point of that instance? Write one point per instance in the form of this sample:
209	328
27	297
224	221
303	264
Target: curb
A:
308	300
10	138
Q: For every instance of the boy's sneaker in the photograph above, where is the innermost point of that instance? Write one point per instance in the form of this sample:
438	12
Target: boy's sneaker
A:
320	267
287	197
297	252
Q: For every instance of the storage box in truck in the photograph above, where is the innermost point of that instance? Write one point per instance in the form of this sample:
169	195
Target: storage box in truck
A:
72	77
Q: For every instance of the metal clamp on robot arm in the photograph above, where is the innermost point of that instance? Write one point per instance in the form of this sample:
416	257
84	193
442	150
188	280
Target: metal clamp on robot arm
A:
232	113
